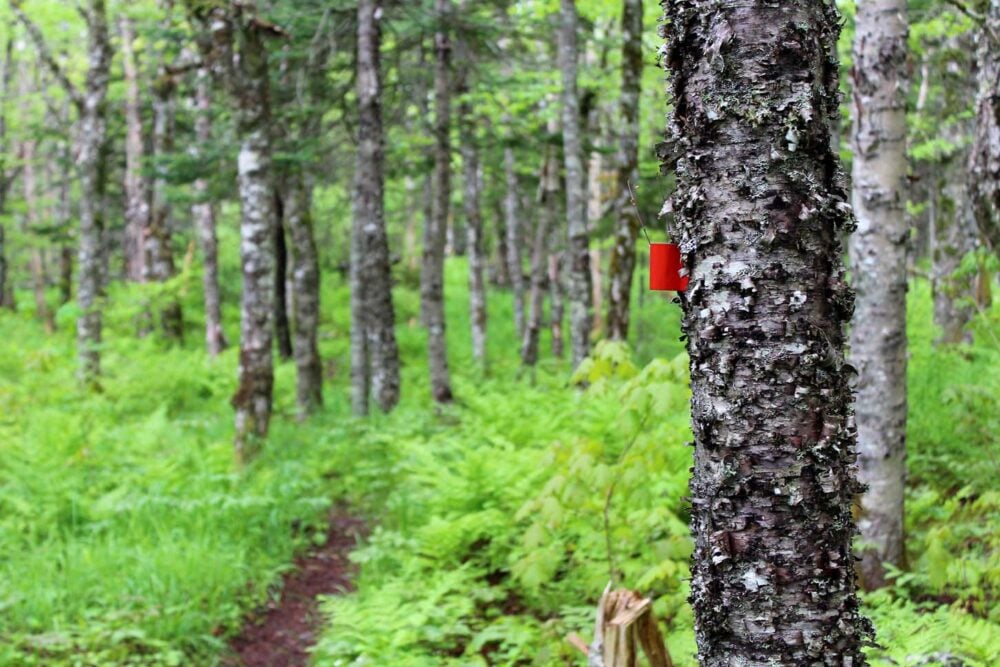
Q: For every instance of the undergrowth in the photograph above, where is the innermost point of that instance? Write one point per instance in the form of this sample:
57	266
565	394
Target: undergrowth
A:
129	537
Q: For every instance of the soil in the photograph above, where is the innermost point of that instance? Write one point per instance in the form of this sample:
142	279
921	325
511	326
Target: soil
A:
281	633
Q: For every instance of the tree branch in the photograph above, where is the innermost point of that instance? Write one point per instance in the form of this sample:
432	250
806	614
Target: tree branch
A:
45	55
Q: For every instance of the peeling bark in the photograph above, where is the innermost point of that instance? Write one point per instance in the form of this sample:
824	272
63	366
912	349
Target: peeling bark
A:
758	209
204	215
622	265
578	248
374	351
878	268
432	274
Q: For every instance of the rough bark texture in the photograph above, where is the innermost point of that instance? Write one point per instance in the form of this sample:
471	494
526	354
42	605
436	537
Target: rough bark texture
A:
157	237
204	216
578	248
373	336
515	239
878	269
137	201
984	162
758	209
474	245
622	265
234	47
432	274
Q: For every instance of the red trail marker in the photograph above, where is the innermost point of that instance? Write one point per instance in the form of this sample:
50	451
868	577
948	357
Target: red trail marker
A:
665	268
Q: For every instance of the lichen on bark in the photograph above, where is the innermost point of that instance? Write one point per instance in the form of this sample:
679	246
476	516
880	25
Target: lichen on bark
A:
759	206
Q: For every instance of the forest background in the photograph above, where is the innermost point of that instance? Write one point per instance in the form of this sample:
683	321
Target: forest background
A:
130	535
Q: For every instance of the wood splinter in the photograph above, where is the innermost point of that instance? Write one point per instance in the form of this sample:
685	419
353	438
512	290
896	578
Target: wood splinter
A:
624	619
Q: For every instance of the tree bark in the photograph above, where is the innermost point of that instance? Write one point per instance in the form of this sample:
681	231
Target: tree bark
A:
578	248
432	274
984	160
758	209
878	269
622	265
500	271
474	245
5	178
137	199
373	322
234	47
548	189
515	239
282	329
157	236
203	212
557	310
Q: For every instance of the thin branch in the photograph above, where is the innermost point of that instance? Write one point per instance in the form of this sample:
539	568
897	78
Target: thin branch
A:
46	55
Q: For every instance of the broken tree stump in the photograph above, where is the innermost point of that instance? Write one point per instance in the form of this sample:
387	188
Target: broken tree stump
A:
624	624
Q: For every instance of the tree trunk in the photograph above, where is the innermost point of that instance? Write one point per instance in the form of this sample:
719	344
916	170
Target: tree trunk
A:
373	317
137	202
92	130
29	183
500	273
157	237
282	330
235	50
548	189
984	161
557	311
5	79
305	287
432	275
622	265
758	209
878	269
474	245
515	240
204	216
5	301
578	249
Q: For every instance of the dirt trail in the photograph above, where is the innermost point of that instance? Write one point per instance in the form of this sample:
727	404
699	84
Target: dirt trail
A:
280	634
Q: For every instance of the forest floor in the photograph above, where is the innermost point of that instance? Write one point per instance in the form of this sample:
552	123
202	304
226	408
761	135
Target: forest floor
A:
128	536
282	632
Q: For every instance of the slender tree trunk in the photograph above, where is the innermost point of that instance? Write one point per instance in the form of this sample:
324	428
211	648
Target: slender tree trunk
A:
758	209
501	271
557	310
515	239
878	268
984	160
305	287
92	130
157	237
5	301
137	201
5	79
37	259
282	329
474	245
548	189
622	265
432	276
578	249
372	314
204	216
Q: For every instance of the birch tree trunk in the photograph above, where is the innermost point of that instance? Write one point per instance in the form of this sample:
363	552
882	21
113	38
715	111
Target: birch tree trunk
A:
515	239
758	209
204	214
474	245
137	200
557	309
578	248
984	161
622	265
432	275
878	269
371	272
